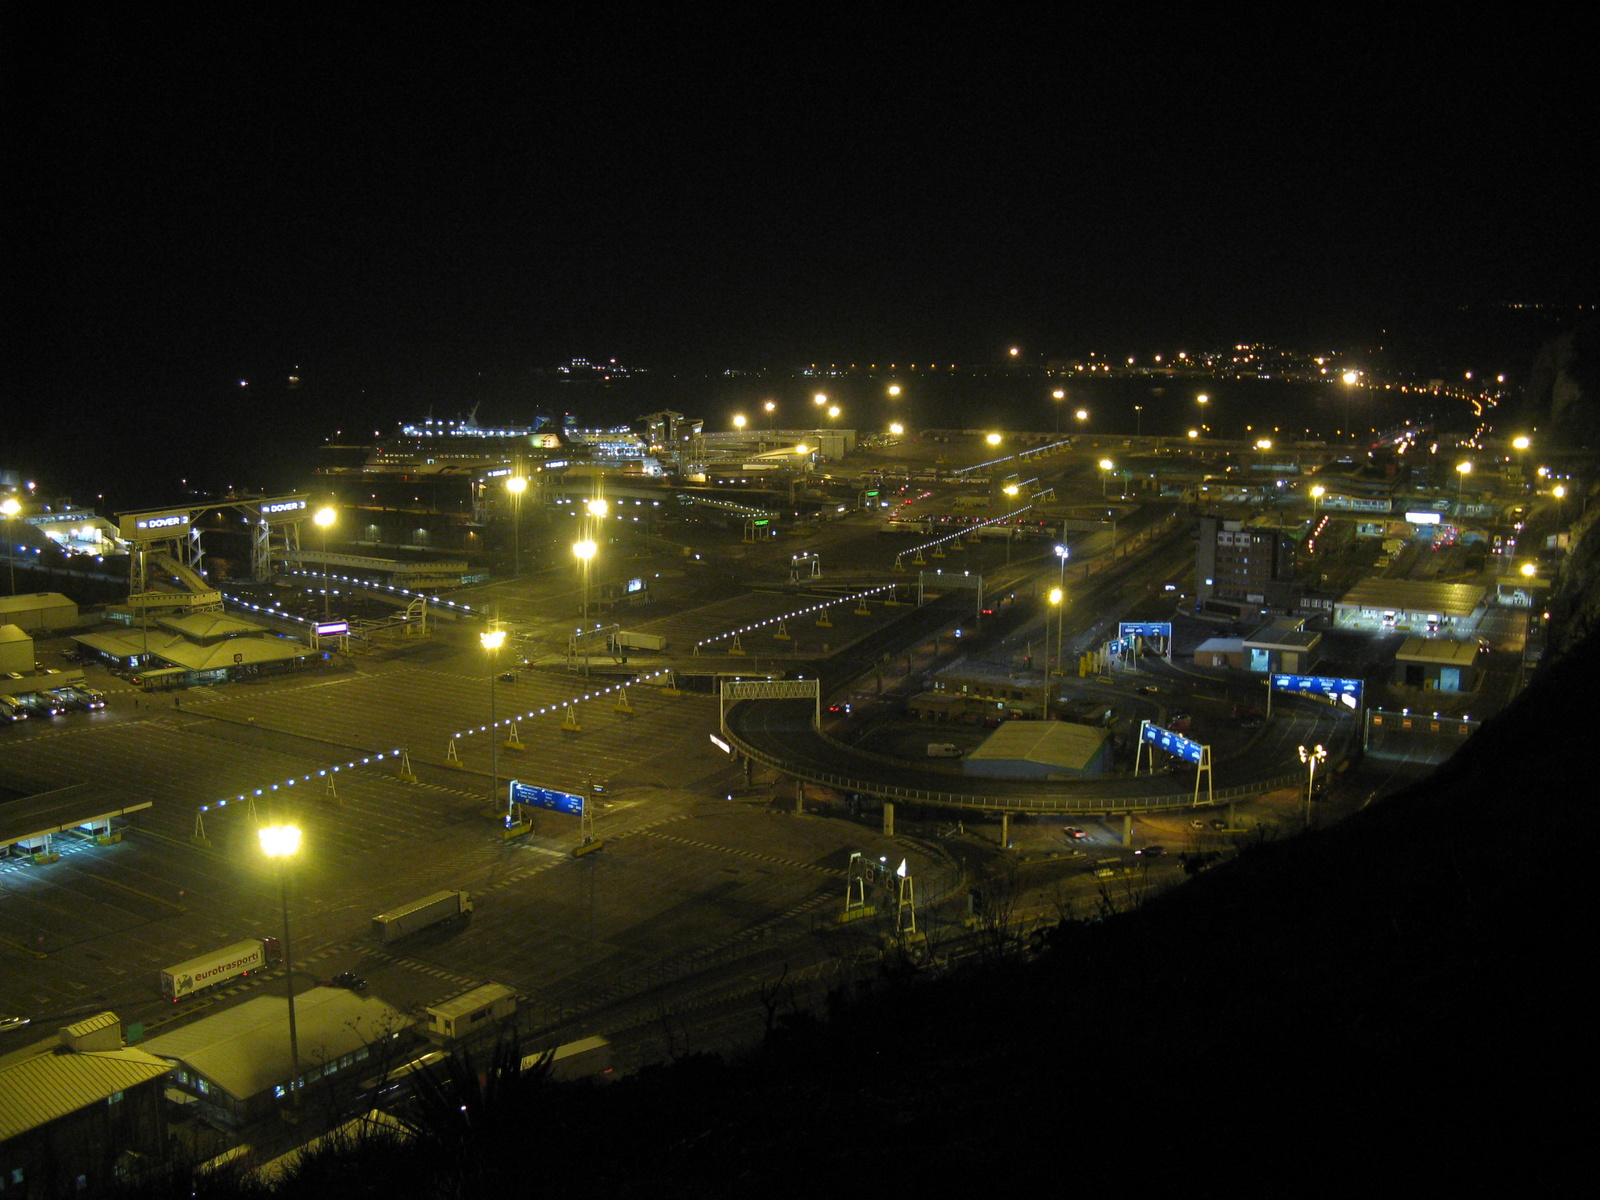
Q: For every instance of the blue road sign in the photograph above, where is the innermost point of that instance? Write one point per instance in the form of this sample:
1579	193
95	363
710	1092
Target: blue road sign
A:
1318	685
538	797
1173	743
1160	629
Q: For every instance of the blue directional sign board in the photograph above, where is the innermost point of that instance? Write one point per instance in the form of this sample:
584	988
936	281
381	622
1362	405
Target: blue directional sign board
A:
1156	629
1173	743
538	797
1318	685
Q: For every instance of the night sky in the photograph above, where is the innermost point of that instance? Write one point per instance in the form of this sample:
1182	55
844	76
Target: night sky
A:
393	207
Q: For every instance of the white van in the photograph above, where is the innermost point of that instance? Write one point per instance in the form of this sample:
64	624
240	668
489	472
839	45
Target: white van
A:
943	750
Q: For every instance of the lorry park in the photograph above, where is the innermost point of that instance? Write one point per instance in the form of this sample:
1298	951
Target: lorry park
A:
721	870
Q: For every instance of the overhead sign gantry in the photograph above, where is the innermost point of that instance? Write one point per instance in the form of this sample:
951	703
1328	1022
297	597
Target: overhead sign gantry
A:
1345	692
1187	749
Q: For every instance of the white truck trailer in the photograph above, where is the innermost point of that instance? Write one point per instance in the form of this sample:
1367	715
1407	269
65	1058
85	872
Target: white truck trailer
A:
419	914
630	640
219	966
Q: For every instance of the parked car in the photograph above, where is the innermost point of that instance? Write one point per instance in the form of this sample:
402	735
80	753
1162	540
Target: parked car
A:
348	979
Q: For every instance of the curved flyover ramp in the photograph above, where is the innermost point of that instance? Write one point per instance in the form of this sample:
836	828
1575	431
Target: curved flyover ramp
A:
782	735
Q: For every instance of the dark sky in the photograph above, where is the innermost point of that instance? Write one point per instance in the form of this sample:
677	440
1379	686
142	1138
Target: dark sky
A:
395	202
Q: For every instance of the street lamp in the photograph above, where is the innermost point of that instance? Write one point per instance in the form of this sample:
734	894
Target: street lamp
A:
492	640
1105	467
1056	595
1082	415
585	551
1349	379
11	508
282	842
324	518
516	485
833	411
1311	757
993	439
1138	420
1560	493
821	398
1463	469
738	422
894	389
1058	396
770	409
897	429
1062	554
1317	493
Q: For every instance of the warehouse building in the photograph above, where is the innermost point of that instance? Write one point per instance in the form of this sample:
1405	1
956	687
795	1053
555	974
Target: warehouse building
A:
80	1111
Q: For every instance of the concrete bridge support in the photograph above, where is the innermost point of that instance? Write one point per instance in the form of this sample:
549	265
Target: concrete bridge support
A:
888	818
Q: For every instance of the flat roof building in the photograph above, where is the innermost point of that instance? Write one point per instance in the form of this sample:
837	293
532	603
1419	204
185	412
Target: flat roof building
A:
39	611
1282	644
237	1067
1411	605
1437	664
1040	750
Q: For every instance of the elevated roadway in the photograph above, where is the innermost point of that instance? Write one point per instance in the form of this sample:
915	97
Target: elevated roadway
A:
783	736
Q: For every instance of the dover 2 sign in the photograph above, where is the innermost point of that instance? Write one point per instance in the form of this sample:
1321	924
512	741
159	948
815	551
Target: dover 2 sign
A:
538	797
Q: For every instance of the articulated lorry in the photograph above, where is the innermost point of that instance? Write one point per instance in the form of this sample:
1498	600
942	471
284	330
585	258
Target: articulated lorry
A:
626	640
208	970
419	914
